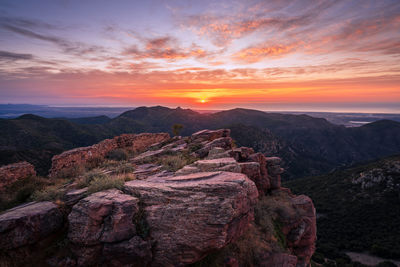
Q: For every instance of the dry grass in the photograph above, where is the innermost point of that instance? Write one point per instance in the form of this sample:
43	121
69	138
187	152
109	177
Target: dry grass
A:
50	193
175	162
85	179
104	183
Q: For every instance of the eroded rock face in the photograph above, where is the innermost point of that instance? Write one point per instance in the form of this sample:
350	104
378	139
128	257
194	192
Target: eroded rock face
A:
190	215
210	135
80	156
11	173
300	228
274	171
208	165
102	229
28	224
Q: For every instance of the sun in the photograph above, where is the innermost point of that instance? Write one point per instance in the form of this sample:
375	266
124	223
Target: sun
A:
203	101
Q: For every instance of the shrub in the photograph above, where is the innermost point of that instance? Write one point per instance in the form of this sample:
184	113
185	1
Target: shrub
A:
21	191
176	129
94	162
117	154
194	147
124	167
175	162
104	183
48	193
85	180
71	172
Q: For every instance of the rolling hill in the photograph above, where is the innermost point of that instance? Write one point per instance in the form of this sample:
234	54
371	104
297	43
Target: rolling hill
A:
307	145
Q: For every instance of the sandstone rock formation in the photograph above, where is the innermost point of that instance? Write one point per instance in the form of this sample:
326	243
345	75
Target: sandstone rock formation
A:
11	173
167	218
80	156
28	224
190	215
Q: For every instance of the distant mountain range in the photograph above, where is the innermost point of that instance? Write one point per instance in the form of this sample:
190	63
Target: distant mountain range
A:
308	146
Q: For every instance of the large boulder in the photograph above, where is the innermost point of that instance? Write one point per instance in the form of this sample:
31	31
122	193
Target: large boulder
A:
28	224
11	173
188	216
102	228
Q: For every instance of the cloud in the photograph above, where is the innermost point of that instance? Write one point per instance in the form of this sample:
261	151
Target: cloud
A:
28	28
261	51
10	56
165	47
223	29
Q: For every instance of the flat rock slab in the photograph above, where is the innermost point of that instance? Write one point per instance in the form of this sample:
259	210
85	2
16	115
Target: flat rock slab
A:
190	215
28	224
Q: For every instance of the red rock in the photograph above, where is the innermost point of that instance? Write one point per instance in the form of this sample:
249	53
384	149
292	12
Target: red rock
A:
11	173
242	154
81	156
134	252
209	135
105	216
223	142
190	215
274	171
301	230
265	180
28	224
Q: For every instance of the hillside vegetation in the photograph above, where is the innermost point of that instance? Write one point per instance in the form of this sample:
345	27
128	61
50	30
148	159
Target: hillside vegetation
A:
307	145
357	209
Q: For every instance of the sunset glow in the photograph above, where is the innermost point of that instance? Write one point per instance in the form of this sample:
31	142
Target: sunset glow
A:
270	55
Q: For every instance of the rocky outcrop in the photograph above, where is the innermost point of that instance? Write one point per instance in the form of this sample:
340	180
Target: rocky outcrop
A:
81	156
102	225
11	173
28	224
167	218
191	215
301	228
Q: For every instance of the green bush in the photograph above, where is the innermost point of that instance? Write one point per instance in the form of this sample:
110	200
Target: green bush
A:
117	154
104	183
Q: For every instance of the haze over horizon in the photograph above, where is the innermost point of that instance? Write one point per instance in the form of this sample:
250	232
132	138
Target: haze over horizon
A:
334	56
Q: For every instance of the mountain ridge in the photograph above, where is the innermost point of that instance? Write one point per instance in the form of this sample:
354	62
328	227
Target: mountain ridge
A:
308	146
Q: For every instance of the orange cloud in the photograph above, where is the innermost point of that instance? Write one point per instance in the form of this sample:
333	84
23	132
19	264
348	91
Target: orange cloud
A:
259	52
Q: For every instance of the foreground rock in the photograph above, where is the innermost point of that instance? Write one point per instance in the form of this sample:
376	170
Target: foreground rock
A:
28	224
166	217
190	215
11	173
103	224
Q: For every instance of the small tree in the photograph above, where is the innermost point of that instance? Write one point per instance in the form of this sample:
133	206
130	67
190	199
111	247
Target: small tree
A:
176	129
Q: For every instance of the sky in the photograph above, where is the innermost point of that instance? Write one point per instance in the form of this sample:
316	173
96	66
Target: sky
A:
311	55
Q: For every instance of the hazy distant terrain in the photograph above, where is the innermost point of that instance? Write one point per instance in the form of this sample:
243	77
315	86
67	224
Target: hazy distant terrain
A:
8	111
307	145
81	114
